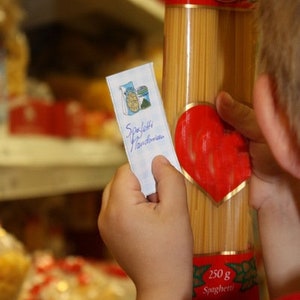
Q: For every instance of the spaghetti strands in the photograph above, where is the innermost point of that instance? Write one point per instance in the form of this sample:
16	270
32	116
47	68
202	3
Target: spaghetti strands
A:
210	47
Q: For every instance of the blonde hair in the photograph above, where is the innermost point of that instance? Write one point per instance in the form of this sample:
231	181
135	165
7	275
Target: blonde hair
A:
279	30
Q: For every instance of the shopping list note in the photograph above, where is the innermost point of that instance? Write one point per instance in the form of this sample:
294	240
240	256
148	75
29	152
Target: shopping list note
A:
142	121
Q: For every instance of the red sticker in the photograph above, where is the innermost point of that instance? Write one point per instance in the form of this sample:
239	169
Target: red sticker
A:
211	153
244	4
226	277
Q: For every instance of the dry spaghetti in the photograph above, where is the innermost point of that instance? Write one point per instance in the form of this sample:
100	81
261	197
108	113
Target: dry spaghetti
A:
208	50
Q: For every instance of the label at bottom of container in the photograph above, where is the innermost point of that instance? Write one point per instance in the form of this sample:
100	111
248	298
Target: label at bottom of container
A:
226	277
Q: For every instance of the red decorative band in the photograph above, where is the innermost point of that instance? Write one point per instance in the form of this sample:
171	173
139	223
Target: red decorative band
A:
245	4
226	277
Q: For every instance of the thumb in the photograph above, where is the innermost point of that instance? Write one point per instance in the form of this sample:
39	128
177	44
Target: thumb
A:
238	115
170	184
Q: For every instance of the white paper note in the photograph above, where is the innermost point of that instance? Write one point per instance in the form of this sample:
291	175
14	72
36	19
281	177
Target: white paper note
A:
142	121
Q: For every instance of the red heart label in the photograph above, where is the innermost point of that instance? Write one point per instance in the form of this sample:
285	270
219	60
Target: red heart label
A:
211	153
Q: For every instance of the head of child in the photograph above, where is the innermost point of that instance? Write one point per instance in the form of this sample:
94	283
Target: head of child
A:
277	89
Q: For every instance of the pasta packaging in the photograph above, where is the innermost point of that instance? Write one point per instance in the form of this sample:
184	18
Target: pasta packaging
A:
209	46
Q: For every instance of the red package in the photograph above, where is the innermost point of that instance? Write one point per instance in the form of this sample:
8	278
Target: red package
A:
68	119
31	116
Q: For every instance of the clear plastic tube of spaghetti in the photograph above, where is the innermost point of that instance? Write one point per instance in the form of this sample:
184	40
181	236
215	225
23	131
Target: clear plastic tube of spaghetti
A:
209	46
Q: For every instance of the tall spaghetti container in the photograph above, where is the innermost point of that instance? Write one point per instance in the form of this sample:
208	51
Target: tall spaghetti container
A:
209	47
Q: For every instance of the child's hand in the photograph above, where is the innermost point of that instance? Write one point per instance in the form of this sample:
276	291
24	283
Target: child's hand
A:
275	194
265	169
151	238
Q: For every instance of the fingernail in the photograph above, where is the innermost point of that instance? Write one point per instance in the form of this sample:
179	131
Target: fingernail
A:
225	99
163	160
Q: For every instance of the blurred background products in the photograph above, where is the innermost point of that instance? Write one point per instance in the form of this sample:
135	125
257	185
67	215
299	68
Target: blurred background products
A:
59	141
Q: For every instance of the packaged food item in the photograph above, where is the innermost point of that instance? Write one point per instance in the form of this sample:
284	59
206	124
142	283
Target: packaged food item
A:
14	264
13	57
210	47
17	58
15	46
30	116
68	119
75	278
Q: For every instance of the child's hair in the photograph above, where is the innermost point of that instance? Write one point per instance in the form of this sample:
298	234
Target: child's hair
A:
279	30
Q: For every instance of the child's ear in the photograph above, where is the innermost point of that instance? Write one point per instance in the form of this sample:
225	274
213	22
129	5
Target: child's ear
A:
275	127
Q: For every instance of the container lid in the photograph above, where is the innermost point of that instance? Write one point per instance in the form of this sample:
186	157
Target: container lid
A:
246	4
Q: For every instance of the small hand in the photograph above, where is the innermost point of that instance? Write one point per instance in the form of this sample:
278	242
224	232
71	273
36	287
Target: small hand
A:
265	169
275	194
151	238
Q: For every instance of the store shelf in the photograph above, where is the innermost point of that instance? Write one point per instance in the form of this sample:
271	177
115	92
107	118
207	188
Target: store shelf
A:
40	166
143	16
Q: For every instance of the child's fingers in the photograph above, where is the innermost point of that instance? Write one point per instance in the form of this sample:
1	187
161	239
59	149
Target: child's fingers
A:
171	190
238	115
